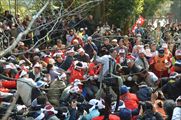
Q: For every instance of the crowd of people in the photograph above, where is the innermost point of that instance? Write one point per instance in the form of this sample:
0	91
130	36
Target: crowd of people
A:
89	71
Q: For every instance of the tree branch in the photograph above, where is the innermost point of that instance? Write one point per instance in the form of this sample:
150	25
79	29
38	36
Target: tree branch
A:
20	35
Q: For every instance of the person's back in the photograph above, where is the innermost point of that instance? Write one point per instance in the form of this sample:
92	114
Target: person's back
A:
24	89
130	100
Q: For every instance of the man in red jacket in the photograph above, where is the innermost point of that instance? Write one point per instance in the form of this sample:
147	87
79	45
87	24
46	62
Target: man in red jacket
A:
131	101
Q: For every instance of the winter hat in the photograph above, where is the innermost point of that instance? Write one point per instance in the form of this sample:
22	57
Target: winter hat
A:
37	65
124	89
178	52
161	51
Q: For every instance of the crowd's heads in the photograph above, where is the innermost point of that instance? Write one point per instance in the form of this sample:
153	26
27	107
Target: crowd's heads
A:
113	52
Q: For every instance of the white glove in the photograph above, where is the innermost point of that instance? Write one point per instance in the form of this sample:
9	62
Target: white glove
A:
129	78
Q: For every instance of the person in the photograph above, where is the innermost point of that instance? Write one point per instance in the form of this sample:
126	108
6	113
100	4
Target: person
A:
147	112
139	29
141	59
69	58
153	47
104	49
121	46
93	110
171	89
168	107
133	67
127	43
24	87
58	60
157	99
108	62
150	78
161	64
70	37
82	56
131	101
58	86
177	110
114	43
144	92
90	47
36	73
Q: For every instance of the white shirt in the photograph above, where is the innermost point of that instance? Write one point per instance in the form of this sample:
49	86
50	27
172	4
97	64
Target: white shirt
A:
176	113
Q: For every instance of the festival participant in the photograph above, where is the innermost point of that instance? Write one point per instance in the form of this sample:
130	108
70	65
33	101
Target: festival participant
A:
161	64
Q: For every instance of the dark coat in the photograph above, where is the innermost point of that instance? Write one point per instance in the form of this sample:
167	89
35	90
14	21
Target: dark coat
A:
144	93
67	63
89	48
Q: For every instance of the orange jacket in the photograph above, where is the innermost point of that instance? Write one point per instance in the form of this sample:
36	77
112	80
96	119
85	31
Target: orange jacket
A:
159	63
131	101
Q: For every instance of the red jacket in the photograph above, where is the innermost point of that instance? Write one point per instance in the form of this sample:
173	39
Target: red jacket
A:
131	101
75	74
111	117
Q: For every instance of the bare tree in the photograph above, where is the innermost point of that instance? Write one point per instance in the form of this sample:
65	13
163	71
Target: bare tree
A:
58	18
9	49
19	37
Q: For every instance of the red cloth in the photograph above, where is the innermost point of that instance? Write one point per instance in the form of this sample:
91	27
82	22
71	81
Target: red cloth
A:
140	20
8	84
93	69
131	101
75	74
111	117
4	90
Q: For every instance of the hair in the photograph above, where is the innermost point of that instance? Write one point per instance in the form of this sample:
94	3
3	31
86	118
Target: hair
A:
49	66
168	107
112	50
41	100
